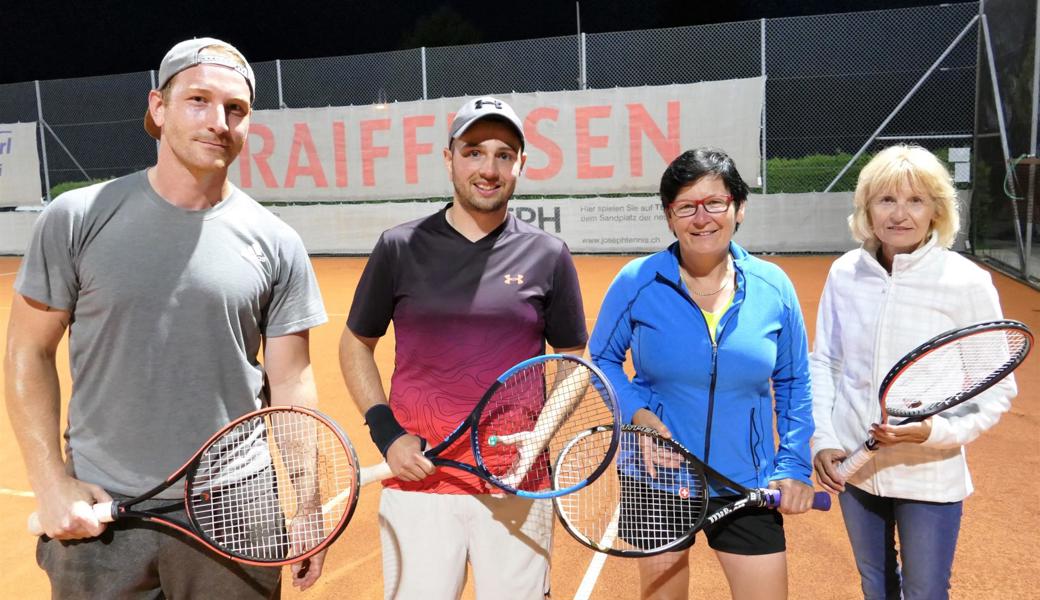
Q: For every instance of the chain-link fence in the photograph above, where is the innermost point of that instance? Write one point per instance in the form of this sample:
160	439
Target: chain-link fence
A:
1006	202
832	82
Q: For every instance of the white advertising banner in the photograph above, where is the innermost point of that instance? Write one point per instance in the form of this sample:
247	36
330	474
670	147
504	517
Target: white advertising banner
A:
19	165
814	222
578	142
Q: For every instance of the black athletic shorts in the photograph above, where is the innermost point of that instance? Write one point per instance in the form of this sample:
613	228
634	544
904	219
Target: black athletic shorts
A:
750	531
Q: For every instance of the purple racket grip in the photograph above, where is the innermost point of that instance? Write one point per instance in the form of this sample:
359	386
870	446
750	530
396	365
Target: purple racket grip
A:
821	500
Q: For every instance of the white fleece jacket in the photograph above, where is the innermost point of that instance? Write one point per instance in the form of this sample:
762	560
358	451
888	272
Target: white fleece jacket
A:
867	321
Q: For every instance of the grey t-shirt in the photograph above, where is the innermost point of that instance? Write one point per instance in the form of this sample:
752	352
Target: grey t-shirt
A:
169	308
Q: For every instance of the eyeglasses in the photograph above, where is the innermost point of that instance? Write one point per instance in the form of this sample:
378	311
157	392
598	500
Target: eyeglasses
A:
711	204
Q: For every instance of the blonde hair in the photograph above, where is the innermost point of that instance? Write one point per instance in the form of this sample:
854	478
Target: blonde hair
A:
924	173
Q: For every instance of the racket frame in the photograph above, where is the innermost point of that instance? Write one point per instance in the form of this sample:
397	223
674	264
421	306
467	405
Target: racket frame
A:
862	455
470	424
123	509
940	341
749	497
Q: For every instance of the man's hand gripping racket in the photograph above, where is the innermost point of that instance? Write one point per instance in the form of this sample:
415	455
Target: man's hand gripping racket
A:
945	371
273	487
524	420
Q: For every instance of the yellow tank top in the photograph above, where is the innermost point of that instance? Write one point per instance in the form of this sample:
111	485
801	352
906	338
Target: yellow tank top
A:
714	318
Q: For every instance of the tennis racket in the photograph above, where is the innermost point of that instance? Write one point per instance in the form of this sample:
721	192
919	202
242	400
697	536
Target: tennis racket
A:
654	499
945	371
522	423
273	487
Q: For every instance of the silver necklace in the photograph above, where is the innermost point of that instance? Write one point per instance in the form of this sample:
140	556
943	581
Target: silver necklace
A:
725	281
725	285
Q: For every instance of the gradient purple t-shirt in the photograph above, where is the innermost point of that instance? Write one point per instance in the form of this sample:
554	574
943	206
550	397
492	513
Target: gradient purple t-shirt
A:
463	312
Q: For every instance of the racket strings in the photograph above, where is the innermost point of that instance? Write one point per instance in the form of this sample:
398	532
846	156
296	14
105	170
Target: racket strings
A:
649	500
954	370
274	487
537	410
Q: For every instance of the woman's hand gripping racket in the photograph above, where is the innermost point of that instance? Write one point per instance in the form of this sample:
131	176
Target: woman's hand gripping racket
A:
273	487
523	422
654	499
943	372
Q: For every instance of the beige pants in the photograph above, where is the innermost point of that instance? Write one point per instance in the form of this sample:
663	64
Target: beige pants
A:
428	539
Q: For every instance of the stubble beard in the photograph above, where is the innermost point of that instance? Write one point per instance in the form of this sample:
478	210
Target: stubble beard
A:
471	201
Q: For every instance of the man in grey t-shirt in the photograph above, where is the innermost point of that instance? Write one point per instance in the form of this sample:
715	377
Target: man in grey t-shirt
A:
169	280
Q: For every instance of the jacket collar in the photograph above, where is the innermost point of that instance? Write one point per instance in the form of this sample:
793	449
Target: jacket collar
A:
669	271
902	262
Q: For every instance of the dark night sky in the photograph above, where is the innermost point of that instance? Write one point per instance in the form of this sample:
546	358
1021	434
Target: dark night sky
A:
46	39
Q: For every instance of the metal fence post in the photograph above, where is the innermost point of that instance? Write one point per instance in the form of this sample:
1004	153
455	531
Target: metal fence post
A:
583	73
278	76
582	81
423	54
43	142
765	105
906	99
998	104
1033	139
1035	145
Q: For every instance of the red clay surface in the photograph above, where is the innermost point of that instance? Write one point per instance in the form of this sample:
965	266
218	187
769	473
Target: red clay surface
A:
995	558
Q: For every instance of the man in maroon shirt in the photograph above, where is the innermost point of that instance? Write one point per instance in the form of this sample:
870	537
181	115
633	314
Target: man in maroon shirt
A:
471	291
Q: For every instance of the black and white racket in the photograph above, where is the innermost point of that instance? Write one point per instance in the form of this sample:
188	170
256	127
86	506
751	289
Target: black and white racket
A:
273	487
523	422
945	371
653	499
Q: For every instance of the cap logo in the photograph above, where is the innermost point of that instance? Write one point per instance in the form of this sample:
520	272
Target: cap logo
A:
482	103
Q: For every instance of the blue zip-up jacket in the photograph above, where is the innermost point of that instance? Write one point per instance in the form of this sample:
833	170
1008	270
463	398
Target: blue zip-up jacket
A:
715	398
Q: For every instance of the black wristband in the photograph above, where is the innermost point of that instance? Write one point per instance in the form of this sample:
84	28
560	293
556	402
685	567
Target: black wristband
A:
383	427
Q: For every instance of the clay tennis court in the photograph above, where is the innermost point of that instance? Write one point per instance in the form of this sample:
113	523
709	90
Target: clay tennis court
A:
995	556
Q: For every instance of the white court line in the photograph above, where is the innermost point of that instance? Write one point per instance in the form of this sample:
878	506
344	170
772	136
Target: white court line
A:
588	583
11	273
19	493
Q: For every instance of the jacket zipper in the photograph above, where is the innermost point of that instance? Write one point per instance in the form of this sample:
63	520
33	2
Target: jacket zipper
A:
714	359
714	372
876	383
752	433
711	389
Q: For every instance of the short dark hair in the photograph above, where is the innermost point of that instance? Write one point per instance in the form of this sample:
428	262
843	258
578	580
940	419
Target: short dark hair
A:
692	165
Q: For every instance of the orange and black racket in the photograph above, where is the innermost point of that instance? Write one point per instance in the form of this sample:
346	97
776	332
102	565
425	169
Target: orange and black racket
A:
945	371
273	487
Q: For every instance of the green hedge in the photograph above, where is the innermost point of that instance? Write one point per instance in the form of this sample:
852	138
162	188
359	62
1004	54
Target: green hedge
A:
812	173
815	172
61	188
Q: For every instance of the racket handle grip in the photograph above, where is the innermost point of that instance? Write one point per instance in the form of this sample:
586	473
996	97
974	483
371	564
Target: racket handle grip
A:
382	470
375	473
821	500
855	462
102	510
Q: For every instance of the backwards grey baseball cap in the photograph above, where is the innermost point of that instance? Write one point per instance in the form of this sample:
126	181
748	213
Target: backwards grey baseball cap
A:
485	108
200	51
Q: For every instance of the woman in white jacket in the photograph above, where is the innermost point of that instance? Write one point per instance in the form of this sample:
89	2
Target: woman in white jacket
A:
901	288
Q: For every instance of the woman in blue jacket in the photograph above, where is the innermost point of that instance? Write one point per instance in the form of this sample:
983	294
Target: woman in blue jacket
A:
719	345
